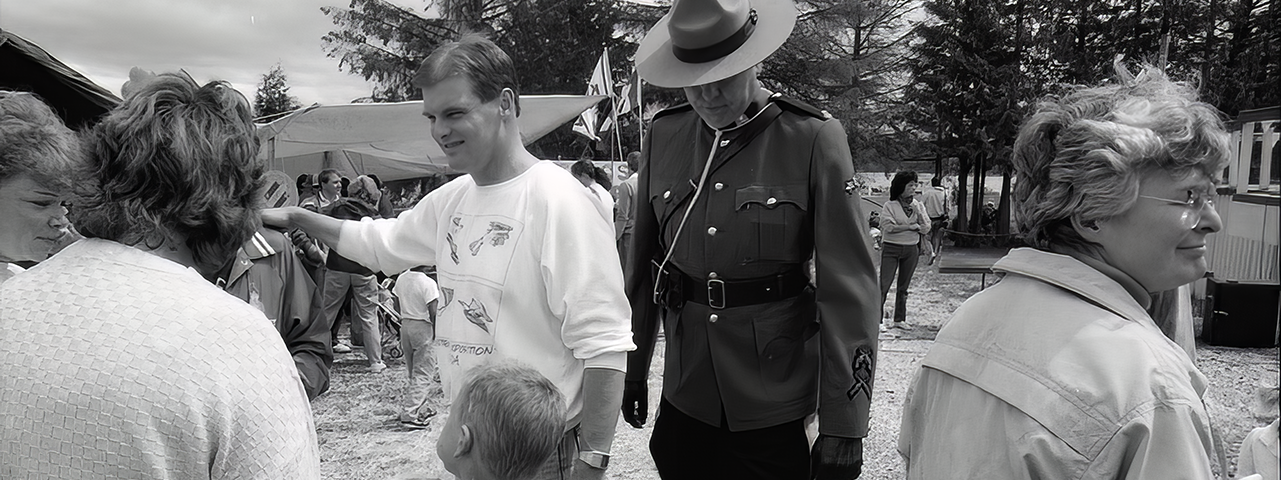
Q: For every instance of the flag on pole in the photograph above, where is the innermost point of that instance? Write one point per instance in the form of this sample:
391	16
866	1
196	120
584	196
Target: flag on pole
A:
625	100
601	83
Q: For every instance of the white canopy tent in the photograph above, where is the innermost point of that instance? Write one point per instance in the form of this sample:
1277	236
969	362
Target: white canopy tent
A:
392	140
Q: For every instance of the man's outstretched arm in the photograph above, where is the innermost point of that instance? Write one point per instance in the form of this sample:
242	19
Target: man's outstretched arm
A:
320	227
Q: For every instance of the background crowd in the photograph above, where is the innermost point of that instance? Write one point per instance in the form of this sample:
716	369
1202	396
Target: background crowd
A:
173	327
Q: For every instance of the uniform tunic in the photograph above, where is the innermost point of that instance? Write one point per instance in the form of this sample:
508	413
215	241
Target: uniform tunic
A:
779	192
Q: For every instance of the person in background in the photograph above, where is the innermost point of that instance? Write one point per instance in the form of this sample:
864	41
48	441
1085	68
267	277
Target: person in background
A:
385	208
418	296
344	277
602	178
307	187
505	423
268	273
506	240
1060	370
1261	448
624	211
585	172
330	191
904	225
38	158
121	359
740	190
935	201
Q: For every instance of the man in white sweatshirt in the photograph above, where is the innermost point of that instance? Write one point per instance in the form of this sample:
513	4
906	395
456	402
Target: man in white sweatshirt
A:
507	242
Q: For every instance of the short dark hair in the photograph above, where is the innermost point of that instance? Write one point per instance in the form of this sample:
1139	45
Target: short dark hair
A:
488	68
328	175
633	161
936	181
175	158
583	167
899	183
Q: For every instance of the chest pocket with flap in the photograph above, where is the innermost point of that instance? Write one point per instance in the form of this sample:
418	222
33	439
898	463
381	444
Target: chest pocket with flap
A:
778	213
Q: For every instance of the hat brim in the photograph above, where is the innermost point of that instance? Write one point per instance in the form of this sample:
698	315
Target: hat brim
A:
657	65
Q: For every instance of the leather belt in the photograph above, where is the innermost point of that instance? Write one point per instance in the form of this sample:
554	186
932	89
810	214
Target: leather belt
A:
719	293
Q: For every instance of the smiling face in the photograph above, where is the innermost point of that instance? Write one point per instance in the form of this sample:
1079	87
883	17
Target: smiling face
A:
1158	243
32	219
331	186
722	102
467	128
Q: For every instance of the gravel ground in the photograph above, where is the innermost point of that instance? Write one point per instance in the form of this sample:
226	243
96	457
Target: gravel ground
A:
360	437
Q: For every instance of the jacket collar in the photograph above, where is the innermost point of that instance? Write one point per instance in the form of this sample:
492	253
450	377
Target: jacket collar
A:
1074	275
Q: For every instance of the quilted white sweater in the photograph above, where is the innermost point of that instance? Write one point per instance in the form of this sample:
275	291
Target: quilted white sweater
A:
116	363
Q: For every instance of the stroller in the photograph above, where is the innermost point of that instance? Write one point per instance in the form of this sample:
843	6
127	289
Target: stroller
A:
389	320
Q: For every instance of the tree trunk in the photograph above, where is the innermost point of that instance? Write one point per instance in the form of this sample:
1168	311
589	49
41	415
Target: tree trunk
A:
976	204
961	224
1003	211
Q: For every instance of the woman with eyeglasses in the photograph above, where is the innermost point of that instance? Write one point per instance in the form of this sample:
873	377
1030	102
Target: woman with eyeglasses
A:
1060	370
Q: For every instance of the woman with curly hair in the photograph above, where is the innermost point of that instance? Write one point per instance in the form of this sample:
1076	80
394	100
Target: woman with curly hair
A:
37	157
120	359
1061	370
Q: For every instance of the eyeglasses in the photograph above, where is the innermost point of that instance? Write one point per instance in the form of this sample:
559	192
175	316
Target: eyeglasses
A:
1195	203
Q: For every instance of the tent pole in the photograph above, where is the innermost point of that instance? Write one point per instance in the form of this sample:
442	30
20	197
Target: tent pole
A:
640	113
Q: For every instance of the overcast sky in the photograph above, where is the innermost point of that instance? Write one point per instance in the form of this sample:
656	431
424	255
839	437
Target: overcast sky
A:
233	40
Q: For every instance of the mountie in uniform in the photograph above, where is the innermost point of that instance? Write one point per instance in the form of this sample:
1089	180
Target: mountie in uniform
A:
731	205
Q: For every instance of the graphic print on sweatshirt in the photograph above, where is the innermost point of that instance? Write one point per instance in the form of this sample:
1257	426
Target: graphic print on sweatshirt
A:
481	248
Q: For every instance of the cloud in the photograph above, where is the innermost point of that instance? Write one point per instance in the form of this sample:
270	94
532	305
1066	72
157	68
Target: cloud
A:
233	40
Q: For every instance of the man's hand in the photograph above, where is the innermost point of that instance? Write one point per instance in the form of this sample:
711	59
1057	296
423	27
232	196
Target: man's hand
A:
635	403
836	458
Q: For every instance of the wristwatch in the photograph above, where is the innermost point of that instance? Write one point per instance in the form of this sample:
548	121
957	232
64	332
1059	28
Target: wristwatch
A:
594	459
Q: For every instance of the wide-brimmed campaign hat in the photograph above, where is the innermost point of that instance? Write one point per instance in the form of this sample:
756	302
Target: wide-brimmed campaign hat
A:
702	41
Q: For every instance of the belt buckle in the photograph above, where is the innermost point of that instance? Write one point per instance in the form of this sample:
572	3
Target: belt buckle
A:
716	293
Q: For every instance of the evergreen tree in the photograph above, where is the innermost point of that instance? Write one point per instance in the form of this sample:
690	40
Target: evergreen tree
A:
385	44
847	57
273	94
969	89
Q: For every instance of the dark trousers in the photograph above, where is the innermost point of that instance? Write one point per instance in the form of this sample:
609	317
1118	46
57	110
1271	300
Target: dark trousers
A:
903	259
685	448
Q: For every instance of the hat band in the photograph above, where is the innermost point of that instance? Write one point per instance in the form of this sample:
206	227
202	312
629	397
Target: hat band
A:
719	49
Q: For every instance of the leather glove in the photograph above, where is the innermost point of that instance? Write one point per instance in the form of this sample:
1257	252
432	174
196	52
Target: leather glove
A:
836	458
635	403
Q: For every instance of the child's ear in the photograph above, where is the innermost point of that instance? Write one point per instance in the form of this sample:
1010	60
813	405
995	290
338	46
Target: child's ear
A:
465	442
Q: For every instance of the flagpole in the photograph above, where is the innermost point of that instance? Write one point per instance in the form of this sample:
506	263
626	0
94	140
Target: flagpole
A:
640	115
